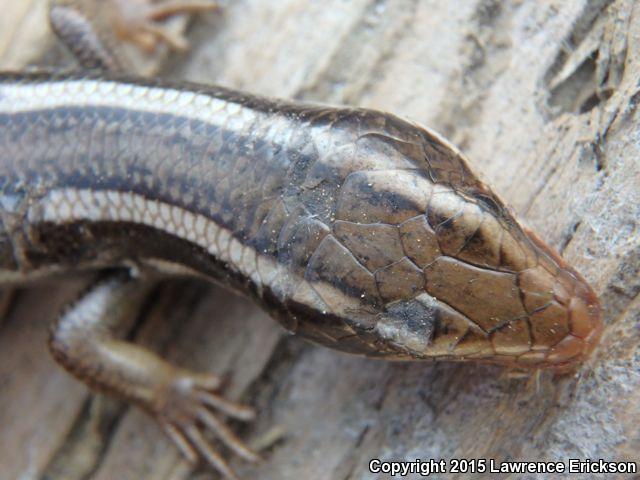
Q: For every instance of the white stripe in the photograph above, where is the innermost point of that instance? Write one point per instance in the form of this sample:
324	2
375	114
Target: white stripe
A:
27	97
64	206
70	205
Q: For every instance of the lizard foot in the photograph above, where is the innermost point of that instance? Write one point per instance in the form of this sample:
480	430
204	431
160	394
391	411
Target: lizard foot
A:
139	21
185	410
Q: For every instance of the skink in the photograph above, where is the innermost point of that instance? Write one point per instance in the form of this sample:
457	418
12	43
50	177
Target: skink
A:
353	228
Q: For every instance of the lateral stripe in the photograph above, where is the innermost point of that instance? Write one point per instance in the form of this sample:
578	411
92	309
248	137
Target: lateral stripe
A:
70	205
17	97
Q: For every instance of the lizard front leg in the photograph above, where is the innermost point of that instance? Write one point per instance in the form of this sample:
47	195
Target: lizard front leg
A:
85	341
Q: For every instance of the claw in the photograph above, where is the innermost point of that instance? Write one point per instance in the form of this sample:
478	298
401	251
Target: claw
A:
212	457
175	7
231	409
179	441
184	411
227	436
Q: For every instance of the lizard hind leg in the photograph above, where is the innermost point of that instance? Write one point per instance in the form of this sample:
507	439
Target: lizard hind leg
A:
85	341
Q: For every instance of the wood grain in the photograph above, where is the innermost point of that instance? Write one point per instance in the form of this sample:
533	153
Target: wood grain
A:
542	96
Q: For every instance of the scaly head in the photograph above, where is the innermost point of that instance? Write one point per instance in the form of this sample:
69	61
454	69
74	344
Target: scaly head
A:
421	260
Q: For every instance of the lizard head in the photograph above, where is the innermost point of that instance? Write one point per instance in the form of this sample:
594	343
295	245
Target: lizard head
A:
421	260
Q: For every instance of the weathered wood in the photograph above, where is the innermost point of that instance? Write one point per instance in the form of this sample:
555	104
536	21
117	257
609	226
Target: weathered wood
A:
542	96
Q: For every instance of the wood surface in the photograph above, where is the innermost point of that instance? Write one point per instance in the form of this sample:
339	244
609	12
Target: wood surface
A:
543	98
